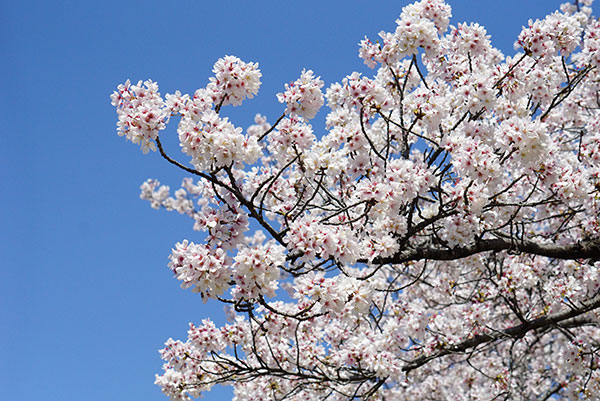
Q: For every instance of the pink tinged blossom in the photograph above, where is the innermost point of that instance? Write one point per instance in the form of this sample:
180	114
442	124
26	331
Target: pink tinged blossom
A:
303	97
591	44
234	81
214	142
256	270
369	52
448	208
177	103
293	135
557	33
141	113
201	268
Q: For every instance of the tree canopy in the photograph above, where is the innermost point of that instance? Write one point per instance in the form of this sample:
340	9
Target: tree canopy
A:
440	240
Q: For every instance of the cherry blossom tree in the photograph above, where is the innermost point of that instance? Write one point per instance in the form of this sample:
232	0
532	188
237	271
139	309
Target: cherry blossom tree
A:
440	241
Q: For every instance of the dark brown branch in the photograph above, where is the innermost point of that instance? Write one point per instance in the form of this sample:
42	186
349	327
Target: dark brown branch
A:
519	331
235	190
267	132
566	91
364	131
414	59
190	170
588	249
176	163
510	70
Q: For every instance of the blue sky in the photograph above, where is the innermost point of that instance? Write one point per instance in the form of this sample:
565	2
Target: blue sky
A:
86	299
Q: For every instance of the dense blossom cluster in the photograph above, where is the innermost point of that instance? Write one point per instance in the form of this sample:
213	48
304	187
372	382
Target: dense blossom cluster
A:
213	141
141	113
440	241
234	81
256	270
557	33
303	97
200	267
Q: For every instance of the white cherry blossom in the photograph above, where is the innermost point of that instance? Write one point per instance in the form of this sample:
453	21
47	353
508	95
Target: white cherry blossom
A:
438	239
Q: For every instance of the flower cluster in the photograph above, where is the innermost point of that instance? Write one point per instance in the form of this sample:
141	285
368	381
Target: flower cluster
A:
339	295
183	360
256	270
471	39
141	113
591	48
357	91
369	52
315	240
292	135
259	127
303	97
201	268
419	26
214	142
557	33
438	241
234	81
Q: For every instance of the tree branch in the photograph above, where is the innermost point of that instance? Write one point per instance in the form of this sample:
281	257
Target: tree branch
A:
519	331
587	249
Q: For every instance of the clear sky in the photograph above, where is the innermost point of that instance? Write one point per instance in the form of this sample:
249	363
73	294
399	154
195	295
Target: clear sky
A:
86	299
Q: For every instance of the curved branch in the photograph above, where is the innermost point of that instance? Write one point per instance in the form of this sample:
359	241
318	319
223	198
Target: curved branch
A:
176	163
519	331
233	189
188	169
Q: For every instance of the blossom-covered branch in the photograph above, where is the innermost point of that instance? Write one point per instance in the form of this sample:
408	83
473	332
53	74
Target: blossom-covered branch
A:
584	249
558	320
440	239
